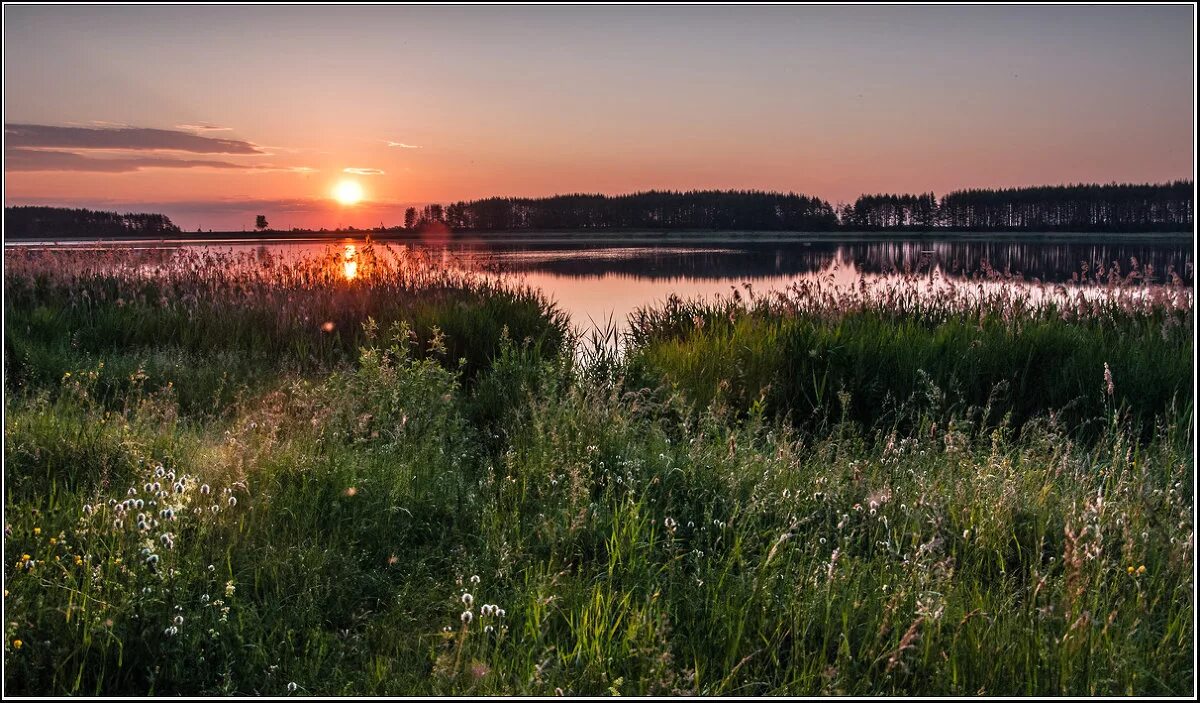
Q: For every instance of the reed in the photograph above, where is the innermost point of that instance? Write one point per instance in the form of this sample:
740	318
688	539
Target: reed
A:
269	508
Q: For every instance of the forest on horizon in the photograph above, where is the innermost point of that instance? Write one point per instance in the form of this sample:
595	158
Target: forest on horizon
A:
1086	208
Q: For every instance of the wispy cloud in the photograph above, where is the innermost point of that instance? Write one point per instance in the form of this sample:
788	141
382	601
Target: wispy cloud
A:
202	128
401	145
364	171
37	136
19	159
40	160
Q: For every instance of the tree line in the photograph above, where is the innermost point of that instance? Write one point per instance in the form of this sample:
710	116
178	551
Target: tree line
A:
1083	207
710	209
35	222
1070	208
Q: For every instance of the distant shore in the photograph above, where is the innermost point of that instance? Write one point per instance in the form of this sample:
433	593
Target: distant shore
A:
617	236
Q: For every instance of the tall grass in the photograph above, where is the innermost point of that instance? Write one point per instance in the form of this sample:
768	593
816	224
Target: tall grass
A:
388	519
884	353
212	323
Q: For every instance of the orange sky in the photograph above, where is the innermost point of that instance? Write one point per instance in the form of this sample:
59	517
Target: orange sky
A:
533	101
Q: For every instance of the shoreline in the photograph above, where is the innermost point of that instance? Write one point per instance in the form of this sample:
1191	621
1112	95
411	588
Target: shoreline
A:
647	237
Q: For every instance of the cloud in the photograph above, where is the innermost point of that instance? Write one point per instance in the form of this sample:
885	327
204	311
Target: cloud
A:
364	171
18	159
401	145
202	128
39	160
127	138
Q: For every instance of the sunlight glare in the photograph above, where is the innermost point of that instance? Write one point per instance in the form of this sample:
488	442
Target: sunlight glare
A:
348	192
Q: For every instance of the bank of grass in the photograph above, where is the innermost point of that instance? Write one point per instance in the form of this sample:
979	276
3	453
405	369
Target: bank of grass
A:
398	522
884	355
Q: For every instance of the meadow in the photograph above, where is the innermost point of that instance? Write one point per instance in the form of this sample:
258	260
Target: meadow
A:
246	475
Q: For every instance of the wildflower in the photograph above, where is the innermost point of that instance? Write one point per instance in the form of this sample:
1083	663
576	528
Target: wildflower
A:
499	612
159	471
1129	570
232	501
466	617
215	508
171	631
467	599
118	524
475	579
148	488
179	488
229	589
1141	569
168	540
291	687
17	644
1108	379
204	490
669	523
152	560
87	509
351	491
178	619
168	513
132	491
488	628
139	504
37	530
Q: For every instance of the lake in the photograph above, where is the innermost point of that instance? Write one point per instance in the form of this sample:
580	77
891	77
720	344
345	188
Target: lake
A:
601	280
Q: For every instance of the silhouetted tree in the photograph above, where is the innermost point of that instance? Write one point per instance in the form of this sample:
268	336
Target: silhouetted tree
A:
33	222
260	222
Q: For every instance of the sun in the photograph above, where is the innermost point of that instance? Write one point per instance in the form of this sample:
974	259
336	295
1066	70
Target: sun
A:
348	192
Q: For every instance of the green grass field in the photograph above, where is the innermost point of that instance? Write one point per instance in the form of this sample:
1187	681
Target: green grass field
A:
238	475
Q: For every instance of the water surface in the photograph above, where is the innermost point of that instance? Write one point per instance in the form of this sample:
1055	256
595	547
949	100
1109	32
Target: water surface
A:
599	281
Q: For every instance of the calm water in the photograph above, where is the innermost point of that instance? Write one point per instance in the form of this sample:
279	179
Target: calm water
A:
598	281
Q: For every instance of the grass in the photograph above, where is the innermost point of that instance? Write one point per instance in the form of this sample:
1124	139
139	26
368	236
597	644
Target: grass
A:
440	497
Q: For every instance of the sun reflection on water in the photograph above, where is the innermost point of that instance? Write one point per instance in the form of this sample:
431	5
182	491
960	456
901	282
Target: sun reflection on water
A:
349	262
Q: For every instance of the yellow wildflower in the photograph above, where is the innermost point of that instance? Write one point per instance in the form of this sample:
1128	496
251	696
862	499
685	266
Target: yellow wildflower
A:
17	644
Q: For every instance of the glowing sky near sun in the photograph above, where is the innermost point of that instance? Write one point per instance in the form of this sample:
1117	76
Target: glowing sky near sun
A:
233	111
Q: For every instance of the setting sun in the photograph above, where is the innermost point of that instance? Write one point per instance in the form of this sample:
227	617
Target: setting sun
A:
348	192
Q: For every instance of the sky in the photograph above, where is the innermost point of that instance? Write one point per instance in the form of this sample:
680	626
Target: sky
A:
212	115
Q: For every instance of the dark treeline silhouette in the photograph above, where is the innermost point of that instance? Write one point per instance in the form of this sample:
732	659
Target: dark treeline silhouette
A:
30	222
710	209
1077	208
1163	207
1074	208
